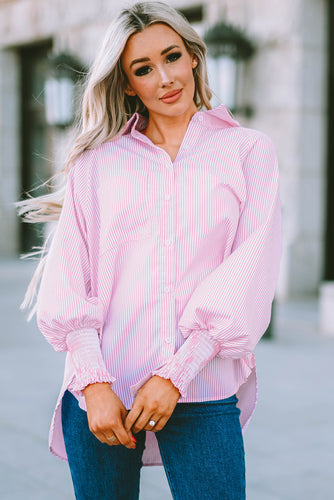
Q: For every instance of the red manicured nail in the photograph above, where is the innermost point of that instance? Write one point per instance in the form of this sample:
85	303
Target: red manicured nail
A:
133	439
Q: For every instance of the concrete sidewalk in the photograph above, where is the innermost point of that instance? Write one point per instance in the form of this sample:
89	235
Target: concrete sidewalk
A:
289	443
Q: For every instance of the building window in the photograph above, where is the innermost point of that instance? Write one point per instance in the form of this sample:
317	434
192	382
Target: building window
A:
36	166
194	14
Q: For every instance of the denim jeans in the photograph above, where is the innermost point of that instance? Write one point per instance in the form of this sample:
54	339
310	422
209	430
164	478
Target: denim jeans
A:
201	448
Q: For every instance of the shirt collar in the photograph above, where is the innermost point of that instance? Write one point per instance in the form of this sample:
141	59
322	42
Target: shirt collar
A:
136	122
217	118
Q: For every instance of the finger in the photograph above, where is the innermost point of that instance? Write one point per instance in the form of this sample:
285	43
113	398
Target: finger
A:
152	423
102	433
132	416
107	438
160	424
123	436
143	421
112	440
101	437
116	429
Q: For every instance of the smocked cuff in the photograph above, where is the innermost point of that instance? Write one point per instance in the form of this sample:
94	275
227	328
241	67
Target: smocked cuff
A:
199	348
85	351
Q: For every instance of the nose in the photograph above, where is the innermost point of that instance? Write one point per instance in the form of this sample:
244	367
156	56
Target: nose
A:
165	77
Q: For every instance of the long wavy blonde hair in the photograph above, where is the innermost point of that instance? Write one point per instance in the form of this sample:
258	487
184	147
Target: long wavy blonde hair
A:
106	107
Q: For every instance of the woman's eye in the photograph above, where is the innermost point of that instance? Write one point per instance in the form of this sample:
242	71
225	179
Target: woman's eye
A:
174	56
142	71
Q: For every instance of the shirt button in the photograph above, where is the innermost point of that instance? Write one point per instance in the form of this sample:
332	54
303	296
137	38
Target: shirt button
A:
168	243
200	117
168	340
167	165
167	289
167	196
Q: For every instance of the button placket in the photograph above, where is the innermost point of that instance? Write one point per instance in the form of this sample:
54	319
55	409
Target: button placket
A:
168	261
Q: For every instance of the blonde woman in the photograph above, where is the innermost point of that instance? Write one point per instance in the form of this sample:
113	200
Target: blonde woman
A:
161	274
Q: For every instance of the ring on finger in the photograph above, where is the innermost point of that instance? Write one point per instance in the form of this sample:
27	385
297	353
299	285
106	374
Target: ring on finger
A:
152	423
111	438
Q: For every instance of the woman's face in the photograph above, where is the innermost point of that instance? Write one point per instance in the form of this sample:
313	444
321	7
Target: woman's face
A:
160	71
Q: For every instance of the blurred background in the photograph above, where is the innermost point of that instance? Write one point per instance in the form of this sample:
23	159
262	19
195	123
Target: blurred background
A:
272	63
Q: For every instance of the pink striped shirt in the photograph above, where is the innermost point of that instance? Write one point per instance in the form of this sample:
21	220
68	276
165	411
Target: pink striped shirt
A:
167	268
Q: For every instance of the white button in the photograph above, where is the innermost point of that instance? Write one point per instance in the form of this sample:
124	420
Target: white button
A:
167	165
167	196
168	243
200	117
168	340
167	289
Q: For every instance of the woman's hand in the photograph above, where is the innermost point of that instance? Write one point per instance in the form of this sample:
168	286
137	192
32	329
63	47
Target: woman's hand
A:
155	401
106	414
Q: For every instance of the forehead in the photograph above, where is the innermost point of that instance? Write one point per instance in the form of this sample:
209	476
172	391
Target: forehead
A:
152	40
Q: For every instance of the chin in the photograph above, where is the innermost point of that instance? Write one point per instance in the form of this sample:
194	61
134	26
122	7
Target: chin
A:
176	108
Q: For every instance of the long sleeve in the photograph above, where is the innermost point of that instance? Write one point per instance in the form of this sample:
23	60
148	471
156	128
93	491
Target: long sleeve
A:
68	314
230	309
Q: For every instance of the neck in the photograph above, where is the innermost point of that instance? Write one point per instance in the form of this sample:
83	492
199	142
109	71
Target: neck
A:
168	130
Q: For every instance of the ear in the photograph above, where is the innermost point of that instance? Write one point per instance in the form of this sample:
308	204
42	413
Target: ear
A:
194	61
129	91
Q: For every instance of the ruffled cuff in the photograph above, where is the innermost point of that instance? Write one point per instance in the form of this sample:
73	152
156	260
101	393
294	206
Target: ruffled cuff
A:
199	348
85	351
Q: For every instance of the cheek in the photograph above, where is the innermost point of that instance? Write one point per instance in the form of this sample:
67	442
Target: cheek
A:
186	73
145	88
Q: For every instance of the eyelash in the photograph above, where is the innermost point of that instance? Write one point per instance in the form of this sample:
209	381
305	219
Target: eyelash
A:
174	56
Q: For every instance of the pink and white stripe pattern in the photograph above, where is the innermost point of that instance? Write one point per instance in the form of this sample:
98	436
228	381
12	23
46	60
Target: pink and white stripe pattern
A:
166	268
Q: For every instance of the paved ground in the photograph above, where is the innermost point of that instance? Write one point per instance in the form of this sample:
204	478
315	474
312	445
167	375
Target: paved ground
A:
289	443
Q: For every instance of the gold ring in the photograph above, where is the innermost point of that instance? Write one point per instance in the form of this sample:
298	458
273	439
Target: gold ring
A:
112	439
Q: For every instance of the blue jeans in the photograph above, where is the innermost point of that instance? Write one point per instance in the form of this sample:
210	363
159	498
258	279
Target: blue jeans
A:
201	448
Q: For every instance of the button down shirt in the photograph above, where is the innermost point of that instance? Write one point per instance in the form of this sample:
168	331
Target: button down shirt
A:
165	267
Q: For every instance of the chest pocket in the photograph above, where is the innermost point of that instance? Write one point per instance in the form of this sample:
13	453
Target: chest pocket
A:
126	214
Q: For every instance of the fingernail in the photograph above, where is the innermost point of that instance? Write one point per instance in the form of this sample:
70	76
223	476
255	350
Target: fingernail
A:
133	439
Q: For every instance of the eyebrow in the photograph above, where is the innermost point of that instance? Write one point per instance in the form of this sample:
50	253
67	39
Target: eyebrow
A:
145	59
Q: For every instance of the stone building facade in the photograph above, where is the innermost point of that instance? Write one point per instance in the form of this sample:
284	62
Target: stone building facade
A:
285	83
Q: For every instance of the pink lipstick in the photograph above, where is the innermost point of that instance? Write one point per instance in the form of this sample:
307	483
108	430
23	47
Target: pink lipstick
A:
172	96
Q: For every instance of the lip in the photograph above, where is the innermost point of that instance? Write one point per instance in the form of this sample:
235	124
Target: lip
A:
171	96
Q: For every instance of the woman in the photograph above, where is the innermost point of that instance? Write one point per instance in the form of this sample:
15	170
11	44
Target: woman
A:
161	274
